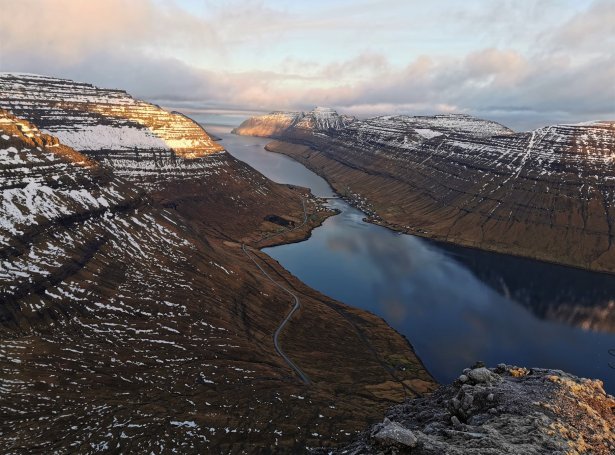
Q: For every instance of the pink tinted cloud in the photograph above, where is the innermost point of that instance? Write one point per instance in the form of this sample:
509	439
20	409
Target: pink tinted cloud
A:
72	29
137	44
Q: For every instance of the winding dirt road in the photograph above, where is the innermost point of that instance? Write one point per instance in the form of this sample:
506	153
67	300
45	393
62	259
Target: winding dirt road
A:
297	303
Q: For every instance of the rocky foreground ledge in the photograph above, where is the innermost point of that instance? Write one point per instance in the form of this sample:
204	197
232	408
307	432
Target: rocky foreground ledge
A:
505	410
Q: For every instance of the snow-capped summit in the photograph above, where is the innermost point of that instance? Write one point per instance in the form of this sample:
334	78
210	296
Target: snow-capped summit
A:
277	123
324	118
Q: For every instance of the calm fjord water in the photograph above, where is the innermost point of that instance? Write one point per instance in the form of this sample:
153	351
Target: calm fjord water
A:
456	305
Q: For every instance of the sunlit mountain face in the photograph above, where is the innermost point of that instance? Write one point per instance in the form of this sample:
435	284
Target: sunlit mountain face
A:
97	120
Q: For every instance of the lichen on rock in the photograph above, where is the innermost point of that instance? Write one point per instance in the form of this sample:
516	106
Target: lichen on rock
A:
506	409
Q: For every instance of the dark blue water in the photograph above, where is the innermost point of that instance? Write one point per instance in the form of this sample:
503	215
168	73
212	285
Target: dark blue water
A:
455	305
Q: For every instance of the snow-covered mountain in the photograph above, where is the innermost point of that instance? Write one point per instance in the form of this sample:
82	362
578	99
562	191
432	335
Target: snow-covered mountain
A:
56	203
323	118
547	194
139	139
278	123
403	130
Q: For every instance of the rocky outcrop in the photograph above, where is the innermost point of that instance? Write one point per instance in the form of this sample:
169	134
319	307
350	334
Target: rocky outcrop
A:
132	321
548	194
502	410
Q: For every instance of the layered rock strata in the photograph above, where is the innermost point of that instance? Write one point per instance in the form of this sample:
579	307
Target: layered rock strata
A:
548	194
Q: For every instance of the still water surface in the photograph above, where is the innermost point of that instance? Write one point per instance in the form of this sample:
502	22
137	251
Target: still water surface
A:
456	305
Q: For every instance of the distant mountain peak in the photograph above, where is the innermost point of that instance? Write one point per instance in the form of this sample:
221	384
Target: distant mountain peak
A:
277	122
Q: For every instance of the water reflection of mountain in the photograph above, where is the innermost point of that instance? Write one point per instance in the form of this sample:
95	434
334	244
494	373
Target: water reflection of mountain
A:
553	292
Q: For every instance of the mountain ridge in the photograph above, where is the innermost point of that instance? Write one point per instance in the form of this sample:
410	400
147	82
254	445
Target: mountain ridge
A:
548	194
139	139
278	122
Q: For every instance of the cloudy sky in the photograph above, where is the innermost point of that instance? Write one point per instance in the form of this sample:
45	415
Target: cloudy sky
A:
525	63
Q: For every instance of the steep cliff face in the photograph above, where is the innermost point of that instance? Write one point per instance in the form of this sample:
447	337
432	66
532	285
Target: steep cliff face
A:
547	194
132	320
140	140
168	154
55	203
502	410
270	125
277	124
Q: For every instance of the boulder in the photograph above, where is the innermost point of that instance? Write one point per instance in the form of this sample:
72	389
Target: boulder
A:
393	433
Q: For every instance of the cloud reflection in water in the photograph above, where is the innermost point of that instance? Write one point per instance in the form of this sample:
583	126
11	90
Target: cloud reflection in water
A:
451	316
455	305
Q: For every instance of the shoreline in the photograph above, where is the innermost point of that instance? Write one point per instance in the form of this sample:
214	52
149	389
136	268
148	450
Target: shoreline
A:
340	306
402	230
303	233
284	240
299	233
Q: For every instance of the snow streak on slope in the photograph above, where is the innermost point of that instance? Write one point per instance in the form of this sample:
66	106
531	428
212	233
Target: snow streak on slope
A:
102	297
547	194
46	186
456	152
133	136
